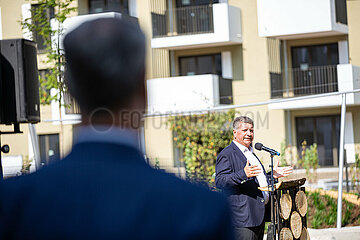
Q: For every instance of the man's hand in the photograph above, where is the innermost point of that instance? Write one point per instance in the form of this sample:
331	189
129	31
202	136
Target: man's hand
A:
282	171
252	171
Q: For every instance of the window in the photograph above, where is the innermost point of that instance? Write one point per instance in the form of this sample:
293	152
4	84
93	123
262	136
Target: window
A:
98	6
325	132
314	69
315	55
49	148
196	65
341	11
39	39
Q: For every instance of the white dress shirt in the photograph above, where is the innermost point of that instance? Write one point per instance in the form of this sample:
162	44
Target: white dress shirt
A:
249	154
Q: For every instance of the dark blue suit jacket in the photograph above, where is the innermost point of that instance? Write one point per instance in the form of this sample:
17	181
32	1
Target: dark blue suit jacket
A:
246	200
107	191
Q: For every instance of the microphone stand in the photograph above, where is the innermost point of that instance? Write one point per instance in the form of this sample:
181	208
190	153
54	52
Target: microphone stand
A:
271	235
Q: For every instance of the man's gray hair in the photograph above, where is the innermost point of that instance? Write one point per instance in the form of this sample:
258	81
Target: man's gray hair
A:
242	119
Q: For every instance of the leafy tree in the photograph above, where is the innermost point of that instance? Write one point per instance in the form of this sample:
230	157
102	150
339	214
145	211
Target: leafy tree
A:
48	31
200	138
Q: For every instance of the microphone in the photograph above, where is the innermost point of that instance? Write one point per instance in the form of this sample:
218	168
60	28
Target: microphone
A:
260	146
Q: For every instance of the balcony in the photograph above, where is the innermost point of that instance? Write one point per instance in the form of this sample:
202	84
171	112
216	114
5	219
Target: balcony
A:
188	93
314	81
292	19
306	81
198	26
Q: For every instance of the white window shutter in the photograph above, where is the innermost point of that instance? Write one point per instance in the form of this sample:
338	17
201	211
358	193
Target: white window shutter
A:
343	52
226	65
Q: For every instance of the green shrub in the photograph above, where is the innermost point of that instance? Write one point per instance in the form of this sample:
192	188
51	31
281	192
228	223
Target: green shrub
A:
348	212
355	173
200	138
309	160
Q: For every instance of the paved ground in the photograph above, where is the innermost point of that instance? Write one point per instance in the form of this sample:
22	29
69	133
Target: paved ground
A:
346	233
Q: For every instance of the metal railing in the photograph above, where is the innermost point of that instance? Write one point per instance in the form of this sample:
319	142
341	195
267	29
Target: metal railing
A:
183	21
309	81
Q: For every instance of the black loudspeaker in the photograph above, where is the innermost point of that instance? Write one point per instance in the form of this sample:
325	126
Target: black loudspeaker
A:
19	82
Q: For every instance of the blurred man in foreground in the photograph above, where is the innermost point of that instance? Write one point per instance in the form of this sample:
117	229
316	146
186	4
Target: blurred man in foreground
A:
104	189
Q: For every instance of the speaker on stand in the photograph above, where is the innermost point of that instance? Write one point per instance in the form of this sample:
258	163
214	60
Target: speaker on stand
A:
19	85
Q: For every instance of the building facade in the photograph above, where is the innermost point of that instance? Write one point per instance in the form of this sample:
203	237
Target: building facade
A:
206	54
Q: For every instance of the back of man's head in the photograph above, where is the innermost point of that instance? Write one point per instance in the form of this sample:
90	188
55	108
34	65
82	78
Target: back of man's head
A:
105	63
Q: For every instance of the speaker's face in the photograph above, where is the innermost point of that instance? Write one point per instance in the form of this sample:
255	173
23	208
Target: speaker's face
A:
244	134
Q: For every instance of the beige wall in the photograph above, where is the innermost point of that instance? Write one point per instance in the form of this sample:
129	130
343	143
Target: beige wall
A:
353	8
10	18
159	141
19	143
255	85
144	17
355	110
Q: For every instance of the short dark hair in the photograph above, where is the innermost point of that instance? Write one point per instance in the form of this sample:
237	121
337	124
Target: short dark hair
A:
105	62
242	119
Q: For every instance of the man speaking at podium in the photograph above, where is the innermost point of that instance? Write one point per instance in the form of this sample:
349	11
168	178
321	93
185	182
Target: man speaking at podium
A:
239	173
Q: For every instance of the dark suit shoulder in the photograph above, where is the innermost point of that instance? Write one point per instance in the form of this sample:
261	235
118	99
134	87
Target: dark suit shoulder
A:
227	150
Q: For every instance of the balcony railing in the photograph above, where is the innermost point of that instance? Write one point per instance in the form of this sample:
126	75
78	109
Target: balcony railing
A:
305	81
183	21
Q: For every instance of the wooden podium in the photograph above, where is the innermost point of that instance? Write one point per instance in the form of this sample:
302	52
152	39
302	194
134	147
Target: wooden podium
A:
290	209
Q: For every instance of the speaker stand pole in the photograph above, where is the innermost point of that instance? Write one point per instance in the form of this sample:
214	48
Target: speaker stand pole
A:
6	148
272	227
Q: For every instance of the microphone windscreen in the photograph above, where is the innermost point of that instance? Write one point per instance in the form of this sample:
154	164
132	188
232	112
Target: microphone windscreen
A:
258	146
